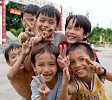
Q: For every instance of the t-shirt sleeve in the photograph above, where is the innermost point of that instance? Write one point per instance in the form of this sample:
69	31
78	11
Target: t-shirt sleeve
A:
34	89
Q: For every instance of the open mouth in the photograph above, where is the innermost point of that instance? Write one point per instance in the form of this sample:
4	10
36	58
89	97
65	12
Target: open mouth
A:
47	76
71	37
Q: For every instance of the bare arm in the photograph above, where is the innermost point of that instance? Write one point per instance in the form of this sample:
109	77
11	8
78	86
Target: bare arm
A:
15	68
108	75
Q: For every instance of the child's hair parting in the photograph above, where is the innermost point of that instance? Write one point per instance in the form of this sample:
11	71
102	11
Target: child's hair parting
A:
82	46
9	48
43	47
49	10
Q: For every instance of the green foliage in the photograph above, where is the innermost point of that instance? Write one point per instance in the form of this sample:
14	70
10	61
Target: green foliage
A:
12	20
16	33
98	32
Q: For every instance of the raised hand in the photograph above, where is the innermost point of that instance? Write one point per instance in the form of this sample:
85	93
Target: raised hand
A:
45	36
43	89
30	28
26	47
63	60
95	67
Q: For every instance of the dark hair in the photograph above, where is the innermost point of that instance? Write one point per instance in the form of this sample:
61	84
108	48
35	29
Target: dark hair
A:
50	11
9	48
43	47
81	21
30	9
82	46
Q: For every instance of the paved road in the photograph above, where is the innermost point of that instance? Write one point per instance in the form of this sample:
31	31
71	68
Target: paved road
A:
7	92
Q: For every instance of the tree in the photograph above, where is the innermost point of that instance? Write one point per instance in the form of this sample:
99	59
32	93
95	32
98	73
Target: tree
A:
13	21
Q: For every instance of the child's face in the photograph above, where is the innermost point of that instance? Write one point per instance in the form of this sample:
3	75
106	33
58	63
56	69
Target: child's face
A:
74	34
30	19
46	65
78	64
44	22
14	55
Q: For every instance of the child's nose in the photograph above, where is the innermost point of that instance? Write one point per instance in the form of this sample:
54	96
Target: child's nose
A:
46	24
46	68
78	64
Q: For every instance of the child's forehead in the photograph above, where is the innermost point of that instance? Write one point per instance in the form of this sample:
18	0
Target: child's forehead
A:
28	15
15	49
45	54
45	14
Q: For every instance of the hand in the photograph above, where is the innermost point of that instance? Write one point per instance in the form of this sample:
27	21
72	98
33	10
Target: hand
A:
43	89
30	28
66	75
63	60
95	67
41	37
48	34
26	47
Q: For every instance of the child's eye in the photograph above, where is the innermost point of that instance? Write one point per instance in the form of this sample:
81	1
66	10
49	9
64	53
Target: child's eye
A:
68	27
42	20
81	59
71	62
51	64
40	65
51	22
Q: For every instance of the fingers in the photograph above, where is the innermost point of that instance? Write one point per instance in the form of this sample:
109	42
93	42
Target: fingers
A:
43	81
95	67
36	80
63	50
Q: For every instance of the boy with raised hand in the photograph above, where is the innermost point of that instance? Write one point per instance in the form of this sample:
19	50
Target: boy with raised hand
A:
20	73
48	18
89	76
46	84
28	19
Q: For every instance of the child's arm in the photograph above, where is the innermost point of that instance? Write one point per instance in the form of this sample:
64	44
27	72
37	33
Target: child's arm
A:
67	90
42	91
19	63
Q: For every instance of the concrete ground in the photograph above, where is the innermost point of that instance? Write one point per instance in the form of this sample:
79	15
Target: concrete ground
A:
7	92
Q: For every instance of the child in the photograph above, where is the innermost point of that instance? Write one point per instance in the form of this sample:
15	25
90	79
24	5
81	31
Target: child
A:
48	18
20	73
46	85
88	75
28	17
77	29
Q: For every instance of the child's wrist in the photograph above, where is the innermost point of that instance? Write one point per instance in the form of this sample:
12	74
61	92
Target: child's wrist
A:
103	72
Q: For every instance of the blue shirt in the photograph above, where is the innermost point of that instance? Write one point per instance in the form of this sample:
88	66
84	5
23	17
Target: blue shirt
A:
53	95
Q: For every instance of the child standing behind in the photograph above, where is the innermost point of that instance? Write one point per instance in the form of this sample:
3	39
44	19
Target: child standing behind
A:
20	73
89	76
77	29
46	85
28	18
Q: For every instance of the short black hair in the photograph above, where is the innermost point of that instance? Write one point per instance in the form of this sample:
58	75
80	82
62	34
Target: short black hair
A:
43	47
83	46
81	21
50	11
30	9
9	48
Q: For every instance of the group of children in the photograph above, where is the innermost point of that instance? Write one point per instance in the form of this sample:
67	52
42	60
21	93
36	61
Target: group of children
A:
51	58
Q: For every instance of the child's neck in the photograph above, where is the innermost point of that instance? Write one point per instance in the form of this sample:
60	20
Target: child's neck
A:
87	80
52	83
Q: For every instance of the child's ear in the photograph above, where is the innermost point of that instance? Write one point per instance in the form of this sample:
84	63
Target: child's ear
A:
33	66
86	35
